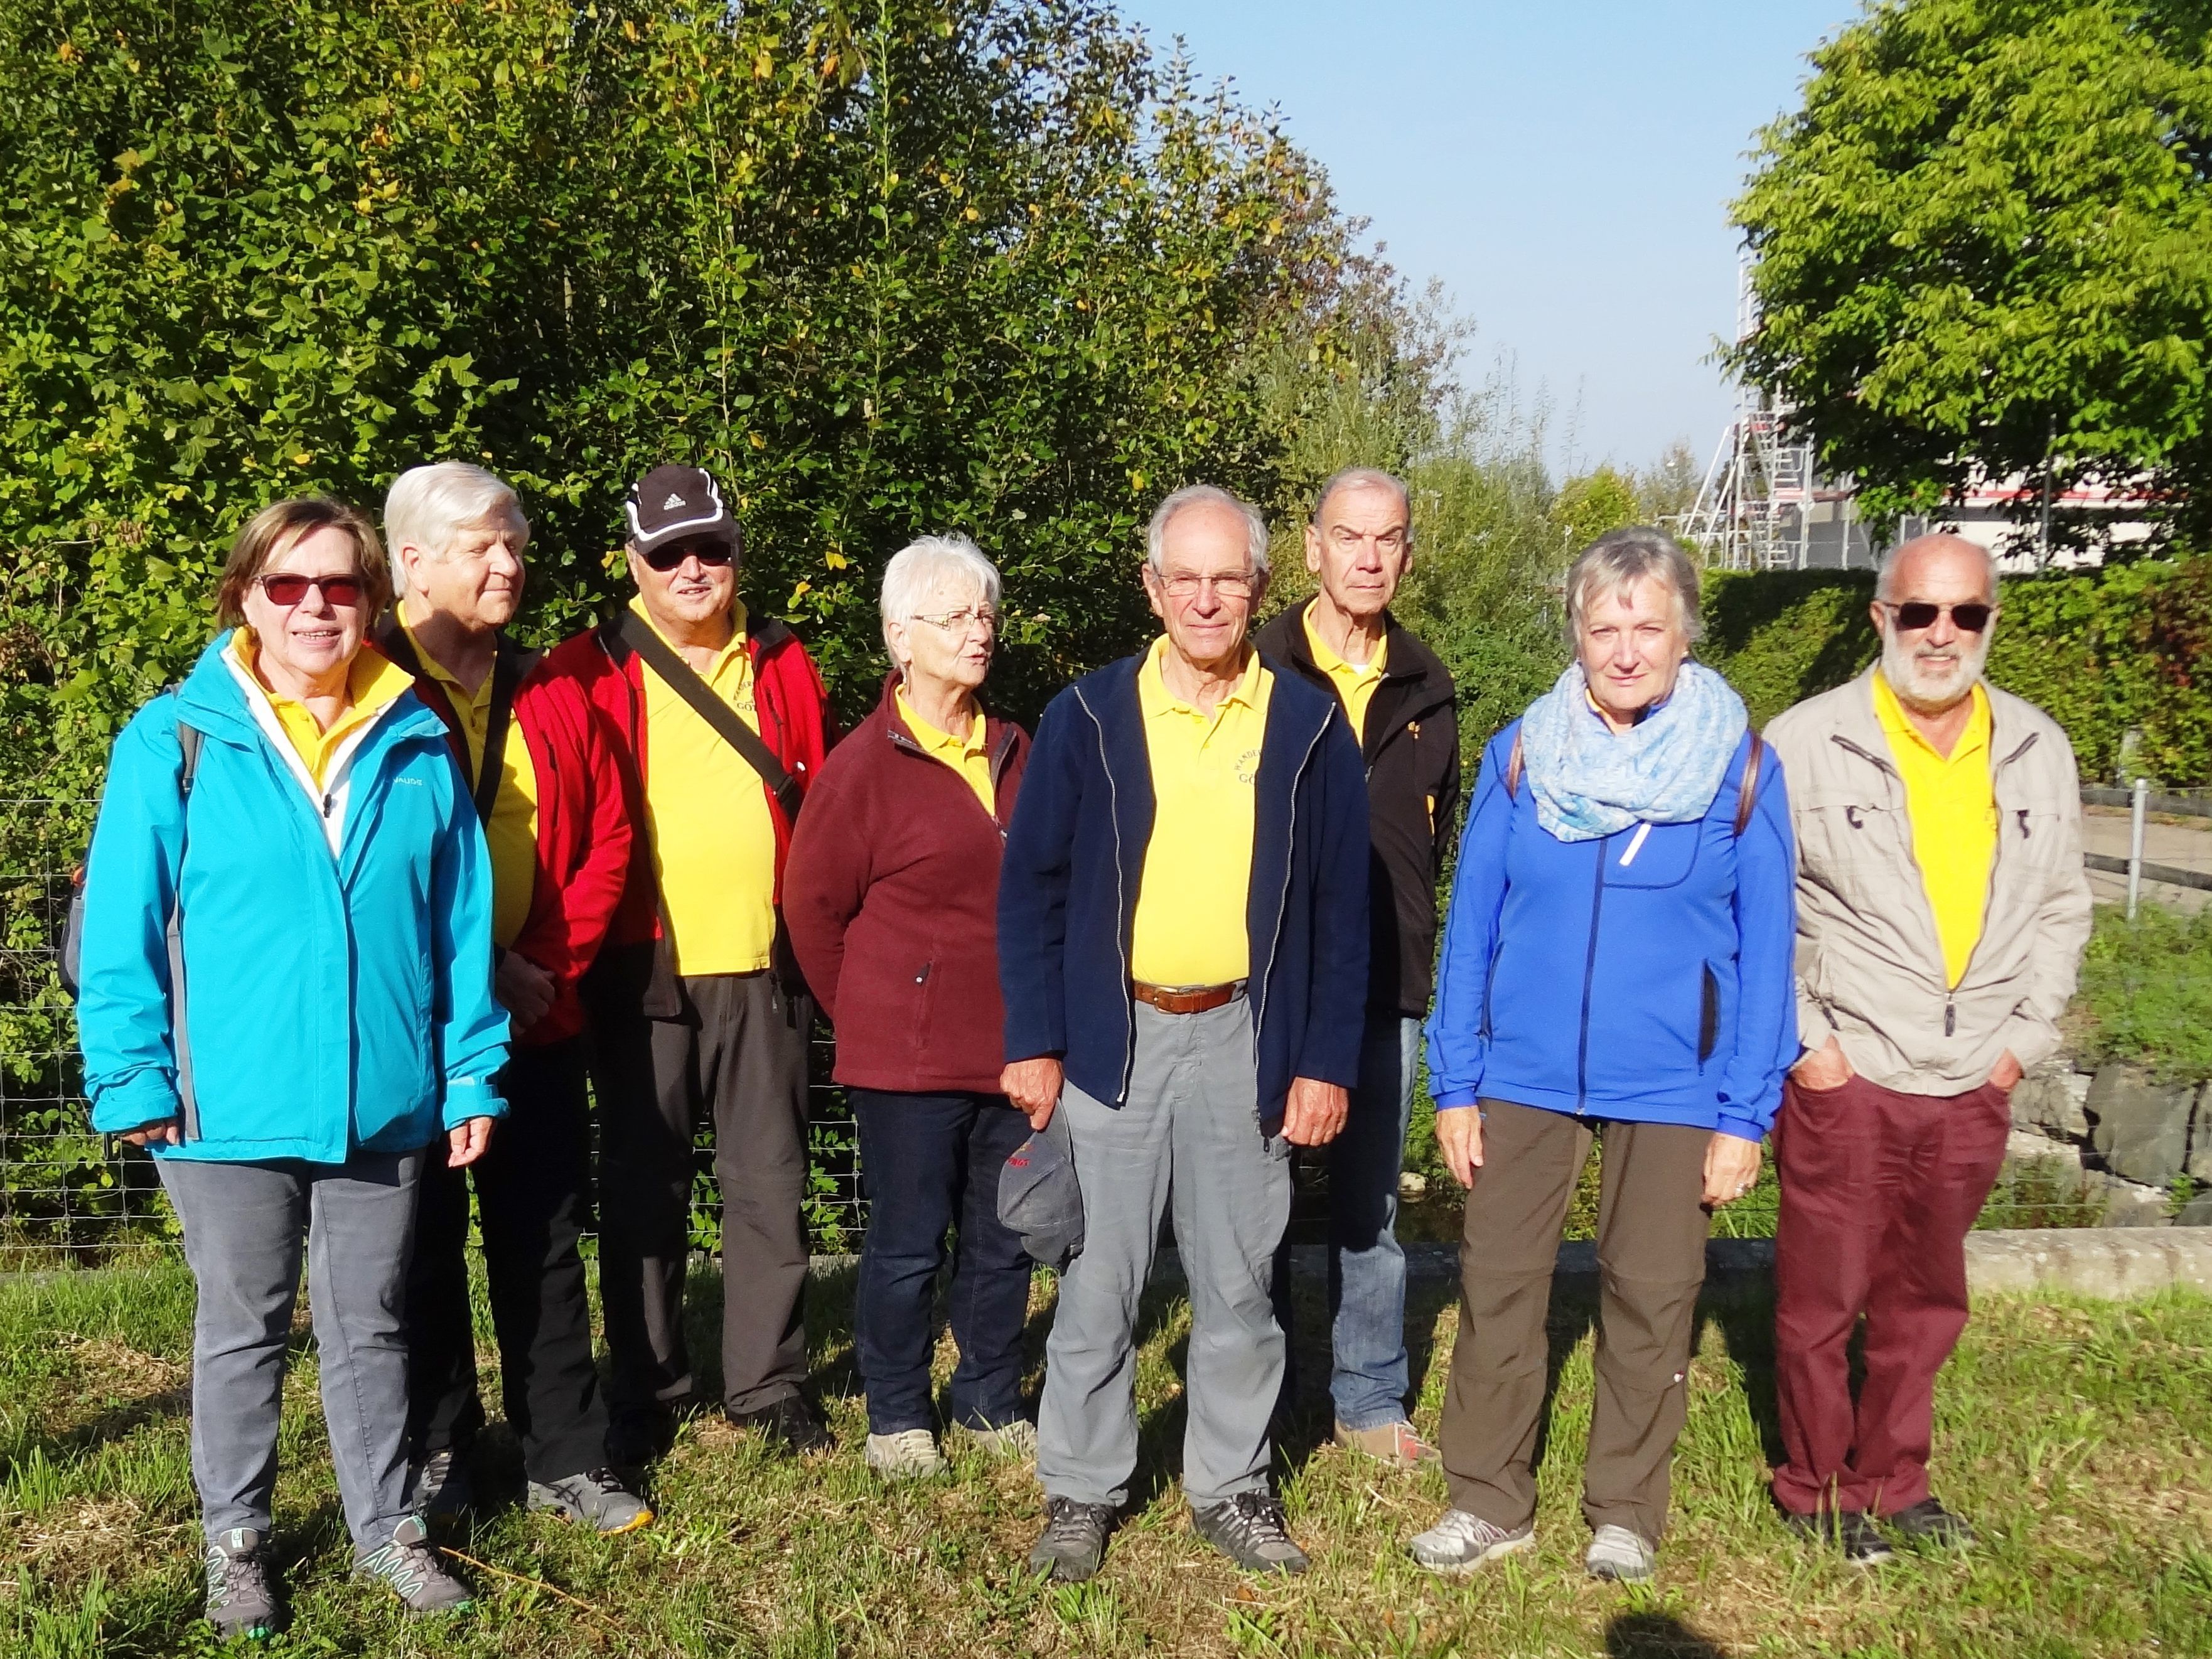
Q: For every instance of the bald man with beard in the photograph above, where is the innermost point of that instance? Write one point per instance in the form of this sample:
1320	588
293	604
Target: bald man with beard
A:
1941	913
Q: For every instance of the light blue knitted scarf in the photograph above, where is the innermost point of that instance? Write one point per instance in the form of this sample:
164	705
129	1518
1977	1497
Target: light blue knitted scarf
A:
1590	781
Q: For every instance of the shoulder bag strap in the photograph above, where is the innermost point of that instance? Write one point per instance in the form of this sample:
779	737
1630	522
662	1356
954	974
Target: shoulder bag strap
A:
1513	764
638	635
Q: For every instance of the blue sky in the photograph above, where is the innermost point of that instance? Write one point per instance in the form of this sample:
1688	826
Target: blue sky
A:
1563	166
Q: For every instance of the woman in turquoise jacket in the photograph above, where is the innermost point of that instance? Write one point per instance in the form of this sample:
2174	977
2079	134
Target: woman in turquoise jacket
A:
286	995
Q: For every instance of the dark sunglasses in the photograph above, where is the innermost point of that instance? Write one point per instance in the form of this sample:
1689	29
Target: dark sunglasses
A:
666	559
285	589
1917	614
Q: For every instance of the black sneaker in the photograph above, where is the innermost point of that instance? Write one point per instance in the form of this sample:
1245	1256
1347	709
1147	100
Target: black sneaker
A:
1852	1531
439	1488
1249	1529
640	1435
789	1425
242	1600
1073	1542
1928	1522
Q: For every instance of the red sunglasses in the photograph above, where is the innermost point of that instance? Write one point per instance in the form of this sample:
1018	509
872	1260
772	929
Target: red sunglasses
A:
285	589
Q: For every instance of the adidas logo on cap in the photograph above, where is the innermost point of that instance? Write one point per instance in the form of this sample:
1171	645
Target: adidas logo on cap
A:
672	502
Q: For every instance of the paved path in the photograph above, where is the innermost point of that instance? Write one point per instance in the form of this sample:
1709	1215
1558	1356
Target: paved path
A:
2187	845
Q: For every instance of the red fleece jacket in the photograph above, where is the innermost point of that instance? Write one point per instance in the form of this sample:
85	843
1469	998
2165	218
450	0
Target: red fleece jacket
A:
892	902
795	723
584	835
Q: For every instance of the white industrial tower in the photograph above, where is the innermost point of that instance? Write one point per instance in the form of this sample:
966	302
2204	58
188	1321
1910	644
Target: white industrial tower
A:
1755	509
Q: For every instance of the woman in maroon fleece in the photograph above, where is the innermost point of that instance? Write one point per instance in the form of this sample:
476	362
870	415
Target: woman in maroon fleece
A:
891	898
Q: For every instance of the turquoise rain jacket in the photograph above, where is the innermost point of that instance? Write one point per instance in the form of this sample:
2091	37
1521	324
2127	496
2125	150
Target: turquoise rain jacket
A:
338	998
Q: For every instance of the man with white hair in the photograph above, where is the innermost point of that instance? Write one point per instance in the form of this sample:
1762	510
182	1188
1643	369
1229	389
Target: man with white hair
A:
1399	699
1182	949
549	791
1941	913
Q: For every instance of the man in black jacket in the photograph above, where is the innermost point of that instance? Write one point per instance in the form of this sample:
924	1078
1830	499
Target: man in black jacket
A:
1400	702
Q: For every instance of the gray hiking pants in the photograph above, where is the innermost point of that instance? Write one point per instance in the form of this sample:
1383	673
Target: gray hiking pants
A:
247	1226
1189	1130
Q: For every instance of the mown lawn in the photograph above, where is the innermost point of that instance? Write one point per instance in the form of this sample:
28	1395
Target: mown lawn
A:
2078	1435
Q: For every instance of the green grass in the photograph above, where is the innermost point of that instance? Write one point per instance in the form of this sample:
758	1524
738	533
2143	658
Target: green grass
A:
2077	1435
2145	993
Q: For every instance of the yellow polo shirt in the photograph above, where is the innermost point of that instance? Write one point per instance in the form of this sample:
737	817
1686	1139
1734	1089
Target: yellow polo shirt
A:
511	834
374	682
969	755
1354	682
713	842
1190	927
1951	801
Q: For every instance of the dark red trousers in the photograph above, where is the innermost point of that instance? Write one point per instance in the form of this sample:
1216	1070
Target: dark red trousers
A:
1878	1191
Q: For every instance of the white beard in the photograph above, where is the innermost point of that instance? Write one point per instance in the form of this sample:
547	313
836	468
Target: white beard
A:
1929	679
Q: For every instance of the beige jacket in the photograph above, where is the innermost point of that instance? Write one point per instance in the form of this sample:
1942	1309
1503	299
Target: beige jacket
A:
1869	965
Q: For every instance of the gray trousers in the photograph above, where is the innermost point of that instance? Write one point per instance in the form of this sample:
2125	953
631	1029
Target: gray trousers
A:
247	1226
1190	1130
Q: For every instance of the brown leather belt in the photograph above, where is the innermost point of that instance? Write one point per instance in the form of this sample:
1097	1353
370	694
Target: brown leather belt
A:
1188	998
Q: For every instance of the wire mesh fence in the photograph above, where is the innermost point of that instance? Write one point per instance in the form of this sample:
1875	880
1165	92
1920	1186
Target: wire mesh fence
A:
69	1196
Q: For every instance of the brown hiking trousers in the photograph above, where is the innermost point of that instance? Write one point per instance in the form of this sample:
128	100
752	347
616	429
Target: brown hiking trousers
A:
1651	1258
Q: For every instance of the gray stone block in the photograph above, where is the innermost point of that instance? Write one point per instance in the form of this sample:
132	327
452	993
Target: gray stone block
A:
2139	1128
2197	1212
2200	1137
2049	1100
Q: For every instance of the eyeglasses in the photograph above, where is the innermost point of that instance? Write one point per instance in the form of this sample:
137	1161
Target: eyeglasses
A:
959	622
1184	585
1917	614
286	588
666	559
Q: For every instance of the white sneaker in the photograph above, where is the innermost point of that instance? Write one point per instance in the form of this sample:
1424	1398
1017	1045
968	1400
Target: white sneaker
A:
1620	1555
909	1454
1461	1542
1016	1441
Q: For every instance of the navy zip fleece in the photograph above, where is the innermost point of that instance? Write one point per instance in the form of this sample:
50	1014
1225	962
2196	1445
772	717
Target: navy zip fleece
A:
1075	854
1647	976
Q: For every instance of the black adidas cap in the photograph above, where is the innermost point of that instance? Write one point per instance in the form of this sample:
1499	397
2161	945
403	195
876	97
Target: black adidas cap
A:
678	504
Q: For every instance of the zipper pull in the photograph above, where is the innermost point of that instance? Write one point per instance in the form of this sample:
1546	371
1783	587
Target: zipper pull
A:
329	800
2025	832
1950	1017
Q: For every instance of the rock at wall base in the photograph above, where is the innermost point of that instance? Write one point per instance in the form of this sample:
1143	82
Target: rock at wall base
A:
2049	1101
2139	1126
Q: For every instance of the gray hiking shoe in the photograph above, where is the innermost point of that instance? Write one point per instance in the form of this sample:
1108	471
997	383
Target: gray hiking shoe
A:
1073	1542
1622	1556
1016	1441
909	1454
1461	1542
1250	1530
240	1600
438	1486
597	1498
407	1563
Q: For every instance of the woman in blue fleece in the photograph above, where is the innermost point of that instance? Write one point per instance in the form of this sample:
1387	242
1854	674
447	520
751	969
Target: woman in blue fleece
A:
286	995
1616	964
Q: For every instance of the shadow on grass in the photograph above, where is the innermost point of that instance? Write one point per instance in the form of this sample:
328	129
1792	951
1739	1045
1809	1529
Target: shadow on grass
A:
1656	1636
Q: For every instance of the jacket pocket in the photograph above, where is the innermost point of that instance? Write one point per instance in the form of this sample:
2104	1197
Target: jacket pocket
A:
1708	1015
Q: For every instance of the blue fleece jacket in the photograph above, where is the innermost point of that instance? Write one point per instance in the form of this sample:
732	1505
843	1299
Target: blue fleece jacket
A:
1075	854
1646	976
335	999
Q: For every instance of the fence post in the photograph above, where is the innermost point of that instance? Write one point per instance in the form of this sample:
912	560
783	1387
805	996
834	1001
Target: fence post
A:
2136	844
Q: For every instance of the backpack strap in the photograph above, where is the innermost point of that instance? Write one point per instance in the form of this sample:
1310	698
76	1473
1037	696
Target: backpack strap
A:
511	665
1746	793
638	635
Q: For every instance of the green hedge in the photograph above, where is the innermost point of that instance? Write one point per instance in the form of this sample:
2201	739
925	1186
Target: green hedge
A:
2103	652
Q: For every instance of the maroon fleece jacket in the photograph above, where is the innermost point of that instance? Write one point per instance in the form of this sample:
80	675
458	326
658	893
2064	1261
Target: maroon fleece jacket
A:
892	898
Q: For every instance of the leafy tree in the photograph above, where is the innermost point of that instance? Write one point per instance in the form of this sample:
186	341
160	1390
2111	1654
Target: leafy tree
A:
1592	504
1984	244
